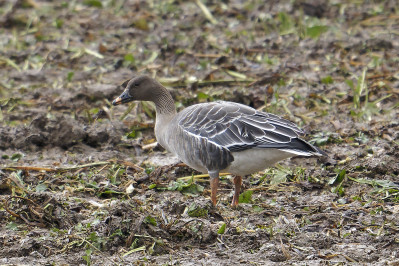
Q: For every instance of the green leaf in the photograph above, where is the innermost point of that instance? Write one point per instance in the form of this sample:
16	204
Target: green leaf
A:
245	197
256	208
190	188
152	186
315	31
196	211
118	232
12	226
387	184
108	191
338	178
222	229
349	82
279	177
59	23
337	181
70	76
94	110
132	134
322	138
327	80
339	190
93	3
286	23
201	95
93	237
41	187
16	156
87	258
129	58
176	185
141	24
150	220
149	170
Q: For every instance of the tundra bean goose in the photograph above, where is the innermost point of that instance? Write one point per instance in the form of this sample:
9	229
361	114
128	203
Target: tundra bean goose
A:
219	136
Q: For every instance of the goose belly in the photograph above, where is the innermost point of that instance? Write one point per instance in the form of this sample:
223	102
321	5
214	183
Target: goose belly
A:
254	160
245	162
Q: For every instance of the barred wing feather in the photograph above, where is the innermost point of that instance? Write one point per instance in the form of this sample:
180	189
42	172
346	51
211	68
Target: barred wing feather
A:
238	127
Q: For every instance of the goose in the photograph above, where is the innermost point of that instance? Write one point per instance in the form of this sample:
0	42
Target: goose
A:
219	136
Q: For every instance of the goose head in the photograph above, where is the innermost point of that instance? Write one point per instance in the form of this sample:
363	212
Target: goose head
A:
140	88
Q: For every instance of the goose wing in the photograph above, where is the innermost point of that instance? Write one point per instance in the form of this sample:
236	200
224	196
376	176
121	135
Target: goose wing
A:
237	127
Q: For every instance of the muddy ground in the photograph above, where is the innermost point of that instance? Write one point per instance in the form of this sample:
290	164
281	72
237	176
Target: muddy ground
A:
80	180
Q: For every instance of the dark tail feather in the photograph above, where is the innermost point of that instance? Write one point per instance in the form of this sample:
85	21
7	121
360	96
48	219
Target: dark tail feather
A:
297	146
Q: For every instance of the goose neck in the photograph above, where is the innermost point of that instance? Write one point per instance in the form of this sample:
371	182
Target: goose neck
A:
165	106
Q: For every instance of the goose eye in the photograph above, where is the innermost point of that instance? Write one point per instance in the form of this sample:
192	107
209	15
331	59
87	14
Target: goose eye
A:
136	84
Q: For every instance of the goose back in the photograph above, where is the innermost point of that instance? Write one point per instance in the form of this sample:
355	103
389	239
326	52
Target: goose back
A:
206	136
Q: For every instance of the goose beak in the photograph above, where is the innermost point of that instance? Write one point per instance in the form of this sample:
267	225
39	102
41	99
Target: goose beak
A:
123	98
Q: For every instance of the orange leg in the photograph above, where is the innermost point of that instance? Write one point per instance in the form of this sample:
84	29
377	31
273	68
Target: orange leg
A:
214	185
237	189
